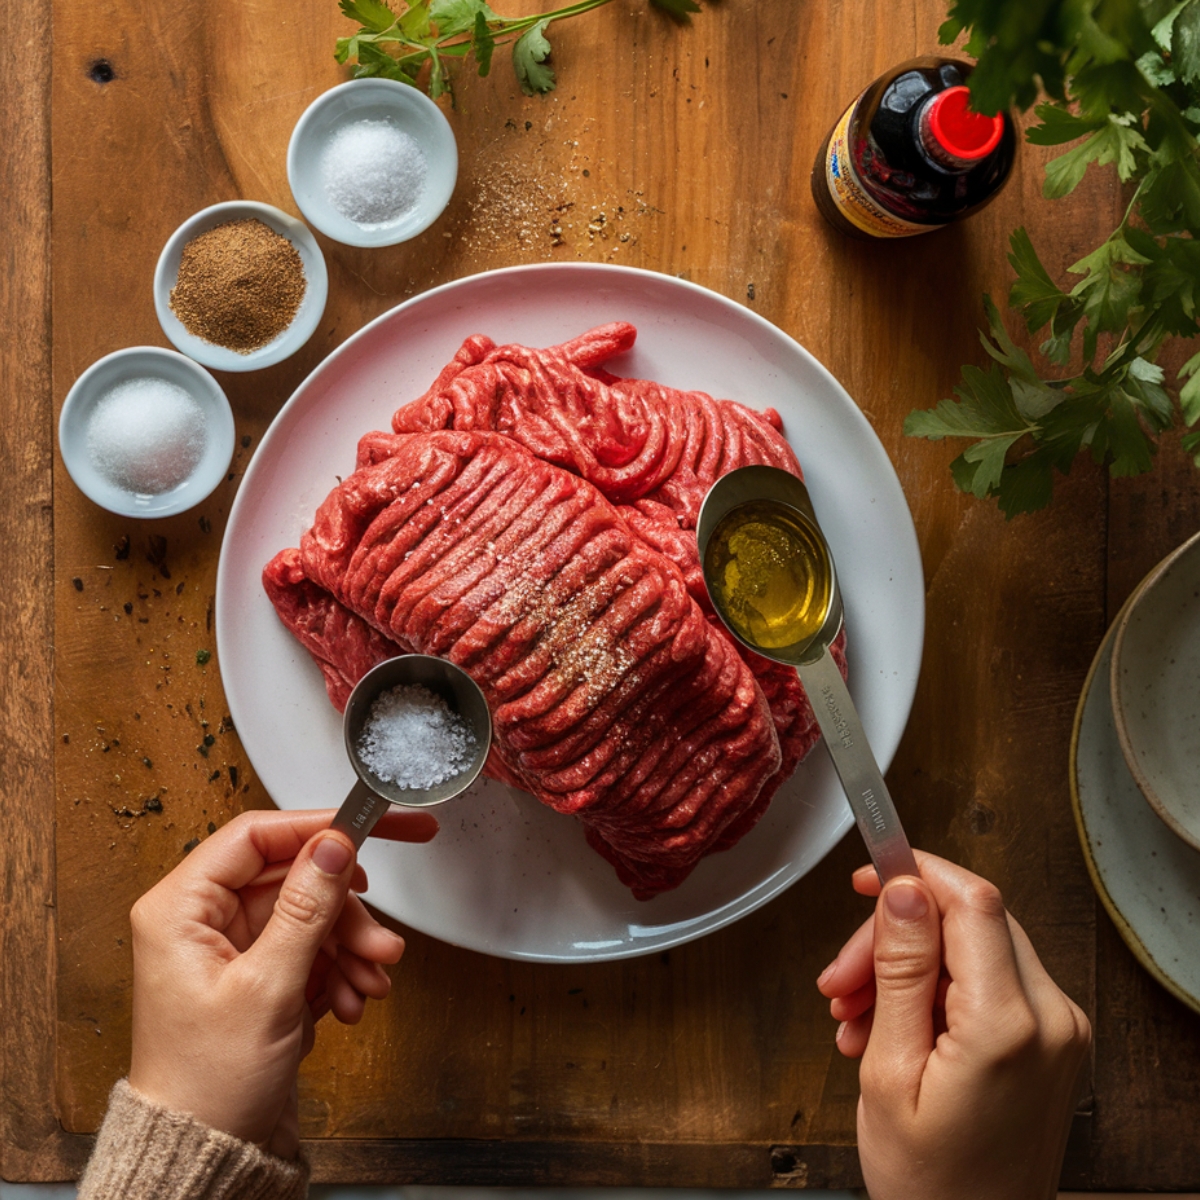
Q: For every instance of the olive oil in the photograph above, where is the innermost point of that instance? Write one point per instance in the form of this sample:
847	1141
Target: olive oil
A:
769	575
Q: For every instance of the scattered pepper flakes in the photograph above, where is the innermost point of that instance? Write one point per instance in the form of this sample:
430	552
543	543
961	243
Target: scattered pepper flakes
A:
121	548
202	657
190	845
78	583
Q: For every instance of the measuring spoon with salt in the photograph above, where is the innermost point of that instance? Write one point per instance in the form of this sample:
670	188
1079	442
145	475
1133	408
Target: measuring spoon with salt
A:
369	798
771	578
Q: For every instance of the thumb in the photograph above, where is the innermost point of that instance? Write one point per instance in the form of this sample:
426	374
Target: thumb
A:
309	903
908	956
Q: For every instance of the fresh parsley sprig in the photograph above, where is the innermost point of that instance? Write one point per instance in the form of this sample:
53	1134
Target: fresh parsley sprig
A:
1122	79
439	31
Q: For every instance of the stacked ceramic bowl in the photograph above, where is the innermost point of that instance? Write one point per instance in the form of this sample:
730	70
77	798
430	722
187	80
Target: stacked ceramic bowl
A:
1135	772
1155	681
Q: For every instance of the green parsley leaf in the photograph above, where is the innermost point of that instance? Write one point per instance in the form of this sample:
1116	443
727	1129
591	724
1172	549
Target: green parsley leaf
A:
483	44
1034	290
1117	141
530	52
373	15
1161	16
1154	67
1185	42
1026	486
453	17
1109	290
985	409
1189	394
1058	126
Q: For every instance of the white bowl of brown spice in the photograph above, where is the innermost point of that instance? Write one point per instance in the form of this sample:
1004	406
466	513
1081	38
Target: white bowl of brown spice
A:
240	285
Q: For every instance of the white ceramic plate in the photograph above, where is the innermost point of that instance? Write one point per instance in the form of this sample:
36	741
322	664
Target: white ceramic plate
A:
507	876
1146	877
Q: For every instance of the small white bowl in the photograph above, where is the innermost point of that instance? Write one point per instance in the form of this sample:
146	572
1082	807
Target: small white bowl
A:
381	100
1155	684
135	363
303	324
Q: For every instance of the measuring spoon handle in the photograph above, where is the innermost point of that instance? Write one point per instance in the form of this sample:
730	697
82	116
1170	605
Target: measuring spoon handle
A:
359	813
855	764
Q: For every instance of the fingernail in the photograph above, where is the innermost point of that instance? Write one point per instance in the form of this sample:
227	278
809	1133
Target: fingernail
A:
837	1037
906	902
332	855
825	974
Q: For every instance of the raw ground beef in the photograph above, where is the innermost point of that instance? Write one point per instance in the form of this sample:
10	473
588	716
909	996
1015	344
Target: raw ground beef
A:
532	519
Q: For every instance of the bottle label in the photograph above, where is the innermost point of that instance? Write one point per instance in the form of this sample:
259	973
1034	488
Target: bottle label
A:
850	197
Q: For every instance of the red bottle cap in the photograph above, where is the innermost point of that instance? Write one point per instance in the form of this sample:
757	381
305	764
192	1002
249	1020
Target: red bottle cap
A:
963	134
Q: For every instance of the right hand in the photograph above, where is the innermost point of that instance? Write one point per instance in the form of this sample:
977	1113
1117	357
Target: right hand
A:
970	1052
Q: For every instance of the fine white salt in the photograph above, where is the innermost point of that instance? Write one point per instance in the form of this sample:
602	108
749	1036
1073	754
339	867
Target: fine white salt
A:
373	172
411	738
146	435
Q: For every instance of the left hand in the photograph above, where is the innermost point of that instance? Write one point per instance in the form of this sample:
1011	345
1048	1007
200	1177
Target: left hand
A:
237	954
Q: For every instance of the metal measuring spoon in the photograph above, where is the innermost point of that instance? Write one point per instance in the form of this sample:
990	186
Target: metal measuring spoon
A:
766	489
369	798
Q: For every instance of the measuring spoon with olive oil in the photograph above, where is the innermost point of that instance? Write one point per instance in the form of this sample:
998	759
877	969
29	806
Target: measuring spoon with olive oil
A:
771	578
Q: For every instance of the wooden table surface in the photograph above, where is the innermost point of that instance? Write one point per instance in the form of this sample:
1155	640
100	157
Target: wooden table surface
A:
714	1064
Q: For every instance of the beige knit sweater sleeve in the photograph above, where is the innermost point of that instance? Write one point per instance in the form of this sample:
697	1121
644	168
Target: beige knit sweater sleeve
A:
144	1152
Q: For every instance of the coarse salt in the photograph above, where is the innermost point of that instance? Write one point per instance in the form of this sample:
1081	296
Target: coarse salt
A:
412	738
373	172
146	435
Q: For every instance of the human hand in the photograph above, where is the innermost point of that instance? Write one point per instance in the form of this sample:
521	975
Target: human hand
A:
970	1052
237	954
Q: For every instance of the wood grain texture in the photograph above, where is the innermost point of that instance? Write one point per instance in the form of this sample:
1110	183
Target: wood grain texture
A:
683	150
32	1143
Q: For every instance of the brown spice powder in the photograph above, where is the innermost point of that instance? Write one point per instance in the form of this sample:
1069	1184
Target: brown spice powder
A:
239	286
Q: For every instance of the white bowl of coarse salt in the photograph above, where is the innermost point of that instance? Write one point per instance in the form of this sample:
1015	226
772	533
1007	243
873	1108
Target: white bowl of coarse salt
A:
146	432
372	162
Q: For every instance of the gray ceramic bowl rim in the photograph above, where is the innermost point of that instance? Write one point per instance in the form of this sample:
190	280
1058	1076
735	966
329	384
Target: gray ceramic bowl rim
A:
312	307
221	434
404	228
1132	759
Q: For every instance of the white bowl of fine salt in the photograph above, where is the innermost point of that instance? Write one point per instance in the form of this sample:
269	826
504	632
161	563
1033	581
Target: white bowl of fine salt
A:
372	162
146	432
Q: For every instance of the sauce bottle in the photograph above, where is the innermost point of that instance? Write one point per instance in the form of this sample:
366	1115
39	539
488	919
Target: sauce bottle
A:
909	156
